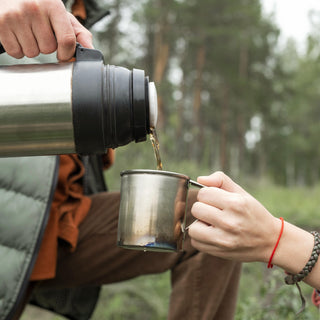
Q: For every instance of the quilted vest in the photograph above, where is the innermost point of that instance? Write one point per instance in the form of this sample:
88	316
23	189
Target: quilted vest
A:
26	191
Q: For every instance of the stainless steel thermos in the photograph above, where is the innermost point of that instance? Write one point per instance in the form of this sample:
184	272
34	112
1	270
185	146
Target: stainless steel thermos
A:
79	107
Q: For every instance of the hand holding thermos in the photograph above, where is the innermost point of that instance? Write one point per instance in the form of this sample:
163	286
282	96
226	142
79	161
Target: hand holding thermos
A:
29	27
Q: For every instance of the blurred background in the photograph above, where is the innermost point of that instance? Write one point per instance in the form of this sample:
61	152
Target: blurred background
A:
235	93
239	91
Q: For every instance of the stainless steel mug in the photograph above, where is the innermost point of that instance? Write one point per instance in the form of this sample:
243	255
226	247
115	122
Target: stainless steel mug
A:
81	107
152	213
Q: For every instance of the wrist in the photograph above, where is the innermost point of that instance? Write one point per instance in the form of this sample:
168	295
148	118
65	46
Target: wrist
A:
294	249
270	265
270	240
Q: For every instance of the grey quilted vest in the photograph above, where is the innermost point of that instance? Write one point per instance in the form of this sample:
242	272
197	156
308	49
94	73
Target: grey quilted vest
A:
26	190
27	186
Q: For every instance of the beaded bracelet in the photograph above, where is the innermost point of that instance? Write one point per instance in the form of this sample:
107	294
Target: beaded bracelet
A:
295	278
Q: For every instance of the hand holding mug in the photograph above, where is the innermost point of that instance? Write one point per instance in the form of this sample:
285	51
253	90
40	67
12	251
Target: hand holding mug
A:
232	224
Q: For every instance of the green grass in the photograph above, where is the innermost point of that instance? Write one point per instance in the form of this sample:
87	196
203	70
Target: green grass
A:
262	296
298	205
143	298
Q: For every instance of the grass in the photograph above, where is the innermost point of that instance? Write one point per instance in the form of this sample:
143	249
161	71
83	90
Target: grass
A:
262	296
298	205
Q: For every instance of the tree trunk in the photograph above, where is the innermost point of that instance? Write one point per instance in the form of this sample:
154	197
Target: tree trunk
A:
224	165
200	62
161	55
243	76
181	124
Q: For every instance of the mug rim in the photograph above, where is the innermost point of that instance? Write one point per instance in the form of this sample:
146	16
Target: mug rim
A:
156	172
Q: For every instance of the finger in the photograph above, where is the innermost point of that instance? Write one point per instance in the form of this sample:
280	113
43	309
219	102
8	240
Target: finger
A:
83	35
202	232
63	31
220	180
206	213
218	198
209	249
44	35
34	30
194	221
27	41
212	236
11	44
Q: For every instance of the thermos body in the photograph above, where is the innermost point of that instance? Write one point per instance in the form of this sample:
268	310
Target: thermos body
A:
79	107
36	109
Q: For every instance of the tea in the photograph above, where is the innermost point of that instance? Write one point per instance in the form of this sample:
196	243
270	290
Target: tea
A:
156	148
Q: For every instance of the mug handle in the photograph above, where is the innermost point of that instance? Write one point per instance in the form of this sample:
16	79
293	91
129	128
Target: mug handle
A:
196	184
199	185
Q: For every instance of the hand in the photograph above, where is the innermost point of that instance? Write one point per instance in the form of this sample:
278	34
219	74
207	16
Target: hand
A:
30	27
232	224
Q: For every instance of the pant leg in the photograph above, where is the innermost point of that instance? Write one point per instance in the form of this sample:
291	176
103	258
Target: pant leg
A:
203	286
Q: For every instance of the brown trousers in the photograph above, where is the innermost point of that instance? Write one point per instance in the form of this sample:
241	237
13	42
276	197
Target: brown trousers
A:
203	286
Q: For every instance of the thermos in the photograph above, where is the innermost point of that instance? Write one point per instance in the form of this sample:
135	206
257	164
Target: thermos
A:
80	107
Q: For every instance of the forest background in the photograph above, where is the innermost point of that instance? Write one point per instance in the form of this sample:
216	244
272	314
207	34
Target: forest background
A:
229	99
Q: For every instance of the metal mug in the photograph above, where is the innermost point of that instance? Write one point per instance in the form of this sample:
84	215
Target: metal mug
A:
152	214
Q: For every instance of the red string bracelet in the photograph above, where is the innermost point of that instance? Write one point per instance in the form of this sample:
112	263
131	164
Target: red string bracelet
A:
270	265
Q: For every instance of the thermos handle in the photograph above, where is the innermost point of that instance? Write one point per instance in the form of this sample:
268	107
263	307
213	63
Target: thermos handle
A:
81	53
2	49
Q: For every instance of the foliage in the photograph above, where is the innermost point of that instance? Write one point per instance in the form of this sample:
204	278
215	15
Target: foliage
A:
272	299
229	98
297	205
144	298
262	296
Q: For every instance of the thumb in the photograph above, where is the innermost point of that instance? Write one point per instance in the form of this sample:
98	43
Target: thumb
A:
220	180
83	35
